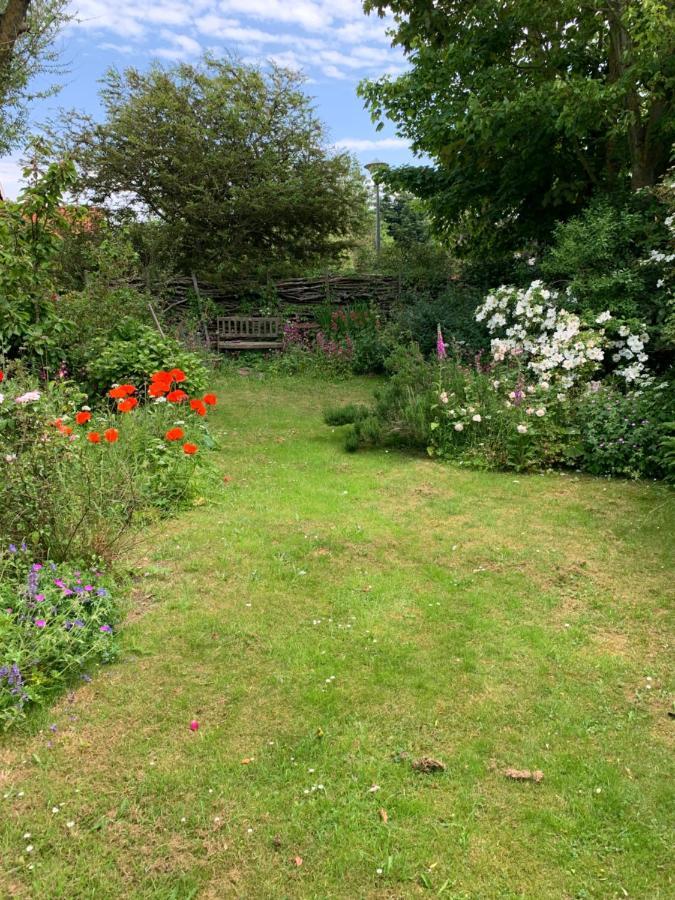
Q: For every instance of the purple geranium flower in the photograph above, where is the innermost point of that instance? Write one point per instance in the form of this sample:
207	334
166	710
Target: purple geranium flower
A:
105	628
40	623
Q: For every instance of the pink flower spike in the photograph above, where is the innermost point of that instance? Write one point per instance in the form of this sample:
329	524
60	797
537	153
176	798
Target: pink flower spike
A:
194	725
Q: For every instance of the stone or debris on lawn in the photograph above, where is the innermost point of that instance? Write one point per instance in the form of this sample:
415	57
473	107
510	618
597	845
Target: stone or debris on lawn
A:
428	764
524	775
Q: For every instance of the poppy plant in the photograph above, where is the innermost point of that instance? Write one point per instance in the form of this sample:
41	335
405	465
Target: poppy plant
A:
158	389
161	377
2	375
121	391
190	449
210	399
198	407
174	434
177	375
83	417
111	435
176	396
94	437
127	405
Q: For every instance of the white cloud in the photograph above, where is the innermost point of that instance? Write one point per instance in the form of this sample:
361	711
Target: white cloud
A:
10	176
183	46
332	37
358	145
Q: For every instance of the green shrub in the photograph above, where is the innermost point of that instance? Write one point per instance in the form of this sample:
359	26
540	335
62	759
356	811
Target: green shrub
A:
134	351
55	623
626	434
454	310
345	415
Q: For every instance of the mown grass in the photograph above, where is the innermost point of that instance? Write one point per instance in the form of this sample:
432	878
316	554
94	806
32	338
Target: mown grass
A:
329	618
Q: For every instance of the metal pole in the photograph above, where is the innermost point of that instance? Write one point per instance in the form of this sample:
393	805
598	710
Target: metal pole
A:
377	218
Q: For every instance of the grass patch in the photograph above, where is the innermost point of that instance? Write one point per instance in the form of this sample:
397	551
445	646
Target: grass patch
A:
329	618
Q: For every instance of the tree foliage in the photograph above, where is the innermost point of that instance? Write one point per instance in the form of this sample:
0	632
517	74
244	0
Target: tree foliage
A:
27	32
231	158
528	107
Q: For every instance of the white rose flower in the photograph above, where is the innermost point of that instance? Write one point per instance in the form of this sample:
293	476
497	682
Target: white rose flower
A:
476	418
459	426
540	412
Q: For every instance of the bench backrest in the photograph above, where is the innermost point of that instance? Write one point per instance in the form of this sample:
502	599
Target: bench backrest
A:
243	327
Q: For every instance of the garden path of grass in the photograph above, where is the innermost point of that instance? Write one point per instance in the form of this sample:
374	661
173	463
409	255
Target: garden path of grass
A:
328	618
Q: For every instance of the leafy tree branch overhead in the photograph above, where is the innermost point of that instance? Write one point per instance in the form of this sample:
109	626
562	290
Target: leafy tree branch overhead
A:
28	29
528	108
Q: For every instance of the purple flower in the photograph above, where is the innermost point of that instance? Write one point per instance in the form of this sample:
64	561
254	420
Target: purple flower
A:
13	548
78	623
39	598
101	592
37	567
53	728
89	587
105	628
40	623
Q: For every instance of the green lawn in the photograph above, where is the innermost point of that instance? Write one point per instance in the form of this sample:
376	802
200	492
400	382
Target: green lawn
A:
330	618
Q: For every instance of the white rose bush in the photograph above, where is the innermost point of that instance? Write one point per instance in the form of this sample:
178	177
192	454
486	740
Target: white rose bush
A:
524	406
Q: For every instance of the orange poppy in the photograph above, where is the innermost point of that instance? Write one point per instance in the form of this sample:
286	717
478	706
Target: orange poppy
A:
83	417
174	434
210	399
111	435
177	375
94	437
161	377
190	449
121	391
176	396
198	407
127	405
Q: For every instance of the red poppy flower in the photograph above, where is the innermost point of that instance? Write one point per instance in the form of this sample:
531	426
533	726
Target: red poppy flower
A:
176	396
2	375
127	405
118	393
158	389
190	449
174	434
111	435
177	375
57	423
198	407
83	417
66	429
94	437
161	377
128	389
210	399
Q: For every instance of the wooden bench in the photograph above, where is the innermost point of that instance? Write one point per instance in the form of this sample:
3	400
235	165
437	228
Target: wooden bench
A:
249	333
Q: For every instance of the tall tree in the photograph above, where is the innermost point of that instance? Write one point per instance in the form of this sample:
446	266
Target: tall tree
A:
27	32
231	158
528	107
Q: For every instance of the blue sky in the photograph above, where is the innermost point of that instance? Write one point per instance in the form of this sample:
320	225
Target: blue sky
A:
332	41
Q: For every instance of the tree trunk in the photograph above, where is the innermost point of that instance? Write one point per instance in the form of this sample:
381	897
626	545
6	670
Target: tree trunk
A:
646	154
12	26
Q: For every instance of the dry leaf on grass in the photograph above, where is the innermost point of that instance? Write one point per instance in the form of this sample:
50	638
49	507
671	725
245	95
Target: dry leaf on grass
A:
384	815
247	761
524	775
427	764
